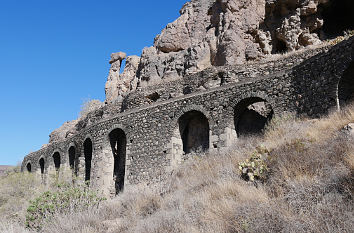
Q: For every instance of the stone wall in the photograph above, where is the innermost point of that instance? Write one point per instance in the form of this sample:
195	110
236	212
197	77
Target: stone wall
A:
304	83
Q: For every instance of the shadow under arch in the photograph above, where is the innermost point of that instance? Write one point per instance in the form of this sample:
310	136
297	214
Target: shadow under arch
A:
29	167
251	115
72	157
118	141
57	160
88	149
345	91
194	131
41	165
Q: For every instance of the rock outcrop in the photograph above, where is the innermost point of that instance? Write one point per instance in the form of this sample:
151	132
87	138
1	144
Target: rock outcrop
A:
66	130
112	83
118	84
226	32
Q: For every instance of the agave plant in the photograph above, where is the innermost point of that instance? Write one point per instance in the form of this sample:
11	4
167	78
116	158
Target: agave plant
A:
255	167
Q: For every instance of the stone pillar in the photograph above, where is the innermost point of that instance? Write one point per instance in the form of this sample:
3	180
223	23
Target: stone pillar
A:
113	77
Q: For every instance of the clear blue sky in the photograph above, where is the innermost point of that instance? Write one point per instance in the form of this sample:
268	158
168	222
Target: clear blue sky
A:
54	55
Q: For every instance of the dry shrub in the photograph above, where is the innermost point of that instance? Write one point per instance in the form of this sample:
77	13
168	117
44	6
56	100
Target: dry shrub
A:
16	189
89	106
12	227
15	192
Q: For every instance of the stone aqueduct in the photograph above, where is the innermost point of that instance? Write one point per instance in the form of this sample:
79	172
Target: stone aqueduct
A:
145	140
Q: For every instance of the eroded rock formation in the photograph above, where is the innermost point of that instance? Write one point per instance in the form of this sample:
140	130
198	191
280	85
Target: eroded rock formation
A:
227	32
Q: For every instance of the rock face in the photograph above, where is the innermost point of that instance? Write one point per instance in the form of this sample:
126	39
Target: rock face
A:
118	84
66	130
113	77
227	32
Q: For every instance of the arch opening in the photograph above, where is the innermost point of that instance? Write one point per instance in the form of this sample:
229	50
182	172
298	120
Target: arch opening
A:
29	167
118	141
56	158
194	131
346	87
72	154
41	165
251	116
88	158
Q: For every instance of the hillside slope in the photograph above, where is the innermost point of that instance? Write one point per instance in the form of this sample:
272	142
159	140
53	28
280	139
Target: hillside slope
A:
308	187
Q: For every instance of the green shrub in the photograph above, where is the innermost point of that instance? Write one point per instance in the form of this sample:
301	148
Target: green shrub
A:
255	167
65	199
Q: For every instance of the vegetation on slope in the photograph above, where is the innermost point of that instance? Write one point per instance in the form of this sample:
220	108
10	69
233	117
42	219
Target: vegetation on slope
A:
307	186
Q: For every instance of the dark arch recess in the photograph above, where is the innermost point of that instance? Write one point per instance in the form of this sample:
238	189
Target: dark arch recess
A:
346	87
337	16
41	165
251	115
56	158
29	167
88	158
72	154
194	131
118	141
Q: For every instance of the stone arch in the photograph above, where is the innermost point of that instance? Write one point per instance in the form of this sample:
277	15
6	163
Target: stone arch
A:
251	115
56	160
345	90
41	165
194	131
175	148
118	142
29	167
191	107
88	151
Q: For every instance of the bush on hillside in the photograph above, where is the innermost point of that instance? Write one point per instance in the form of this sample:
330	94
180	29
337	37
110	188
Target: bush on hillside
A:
65	199
255	168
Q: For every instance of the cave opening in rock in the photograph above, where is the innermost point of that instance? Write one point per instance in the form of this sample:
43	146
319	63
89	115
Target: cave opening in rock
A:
194	131
56	158
346	87
88	158
251	116
29	167
72	153
338	16
118	141
154	96
279	47
41	165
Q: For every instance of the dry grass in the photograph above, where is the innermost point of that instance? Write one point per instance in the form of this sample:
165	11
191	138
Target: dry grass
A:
15	192
309	188
88	106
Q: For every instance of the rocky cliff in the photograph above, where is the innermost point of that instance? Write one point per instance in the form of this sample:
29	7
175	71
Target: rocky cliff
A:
227	32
